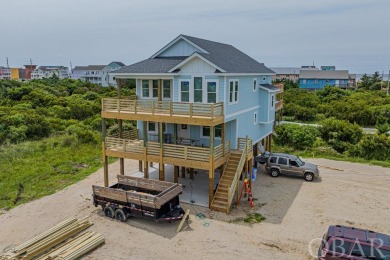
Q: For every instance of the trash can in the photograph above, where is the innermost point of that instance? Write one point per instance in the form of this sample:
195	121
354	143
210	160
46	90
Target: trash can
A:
254	173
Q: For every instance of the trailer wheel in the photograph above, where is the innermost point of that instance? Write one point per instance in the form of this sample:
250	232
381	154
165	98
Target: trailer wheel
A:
120	215
109	212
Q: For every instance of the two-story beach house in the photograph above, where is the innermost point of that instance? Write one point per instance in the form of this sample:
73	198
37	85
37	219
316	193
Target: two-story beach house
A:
200	105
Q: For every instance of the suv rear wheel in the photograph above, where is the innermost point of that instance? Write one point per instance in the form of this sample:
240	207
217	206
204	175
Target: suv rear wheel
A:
274	172
309	176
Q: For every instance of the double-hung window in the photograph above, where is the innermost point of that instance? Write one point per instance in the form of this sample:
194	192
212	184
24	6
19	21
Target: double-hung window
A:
206	131
149	88
211	92
198	90
185	91
167	89
145	88
155	88
233	91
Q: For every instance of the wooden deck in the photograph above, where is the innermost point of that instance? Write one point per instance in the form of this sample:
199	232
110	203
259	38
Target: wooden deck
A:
180	155
163	111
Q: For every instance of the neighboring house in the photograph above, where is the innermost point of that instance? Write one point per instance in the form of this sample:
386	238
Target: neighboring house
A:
5	73
78	72
197	102
289	73
43	72
97	74
318	79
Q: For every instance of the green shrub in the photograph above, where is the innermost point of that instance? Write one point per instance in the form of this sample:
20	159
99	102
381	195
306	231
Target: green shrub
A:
340	134
371	147
296	136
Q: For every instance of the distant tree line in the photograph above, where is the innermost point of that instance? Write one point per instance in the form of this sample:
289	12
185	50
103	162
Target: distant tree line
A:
39	108
340	115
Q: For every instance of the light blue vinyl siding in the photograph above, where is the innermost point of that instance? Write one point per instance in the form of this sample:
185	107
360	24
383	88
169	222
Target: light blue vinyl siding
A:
180	48
239	117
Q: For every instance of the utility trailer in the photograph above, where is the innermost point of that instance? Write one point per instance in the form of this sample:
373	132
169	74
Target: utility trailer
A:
139	197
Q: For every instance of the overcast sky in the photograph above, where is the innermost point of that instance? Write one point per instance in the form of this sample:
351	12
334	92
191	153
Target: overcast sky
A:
350	34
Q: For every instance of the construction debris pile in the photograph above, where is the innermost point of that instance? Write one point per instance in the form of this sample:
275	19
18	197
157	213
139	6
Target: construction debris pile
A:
67	240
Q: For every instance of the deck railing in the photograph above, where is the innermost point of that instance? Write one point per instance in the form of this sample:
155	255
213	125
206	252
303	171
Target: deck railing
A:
185	152
244	144
279	105
168	108
221	150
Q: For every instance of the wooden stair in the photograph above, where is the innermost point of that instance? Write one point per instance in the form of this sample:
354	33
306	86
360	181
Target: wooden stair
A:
220	201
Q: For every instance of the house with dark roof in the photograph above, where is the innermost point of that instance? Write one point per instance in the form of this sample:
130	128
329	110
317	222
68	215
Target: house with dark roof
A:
98	74
318	79
200	106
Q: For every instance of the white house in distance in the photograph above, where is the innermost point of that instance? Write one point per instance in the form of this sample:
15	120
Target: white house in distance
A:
43	72
97	74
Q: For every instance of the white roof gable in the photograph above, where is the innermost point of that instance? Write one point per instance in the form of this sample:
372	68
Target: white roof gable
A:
180	46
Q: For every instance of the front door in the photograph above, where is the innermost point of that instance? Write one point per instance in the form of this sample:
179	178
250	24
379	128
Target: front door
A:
183	133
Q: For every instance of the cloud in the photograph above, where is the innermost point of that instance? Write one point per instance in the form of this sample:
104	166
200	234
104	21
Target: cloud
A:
279	33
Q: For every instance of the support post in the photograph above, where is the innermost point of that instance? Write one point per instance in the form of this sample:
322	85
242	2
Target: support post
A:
174	133
145	135
183	172
176	174
191	173
211	186
105	159
120	127
211	170
251	173
270	142
161	170
223	139
140	166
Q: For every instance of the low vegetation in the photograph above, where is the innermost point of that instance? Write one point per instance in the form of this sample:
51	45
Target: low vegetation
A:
49	136
339	116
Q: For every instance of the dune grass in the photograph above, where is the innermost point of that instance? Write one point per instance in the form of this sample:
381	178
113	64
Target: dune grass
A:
34	169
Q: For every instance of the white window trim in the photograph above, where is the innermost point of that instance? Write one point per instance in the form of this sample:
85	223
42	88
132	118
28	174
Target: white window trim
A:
207	137
155	127
171	87
192	90
255	118
216	89
150	82
189	89
272	105
238	92
254	84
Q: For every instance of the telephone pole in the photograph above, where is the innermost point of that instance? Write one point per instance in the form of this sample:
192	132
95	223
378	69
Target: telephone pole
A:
7	63
388	81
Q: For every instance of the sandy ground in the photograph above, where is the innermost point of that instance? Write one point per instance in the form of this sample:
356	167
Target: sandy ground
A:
297	212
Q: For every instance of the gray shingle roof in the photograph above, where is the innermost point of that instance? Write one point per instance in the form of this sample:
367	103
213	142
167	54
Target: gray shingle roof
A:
228	57
156	65
223	55
269	87
80	68
324	74
119	63
95	67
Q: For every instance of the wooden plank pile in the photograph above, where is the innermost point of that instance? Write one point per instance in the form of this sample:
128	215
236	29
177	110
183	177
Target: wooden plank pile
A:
67	240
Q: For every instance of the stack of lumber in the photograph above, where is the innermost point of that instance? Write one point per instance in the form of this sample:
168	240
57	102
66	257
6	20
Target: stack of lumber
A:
63	241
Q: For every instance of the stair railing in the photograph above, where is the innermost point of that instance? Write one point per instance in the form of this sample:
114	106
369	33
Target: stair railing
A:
238	173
